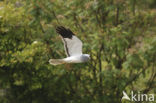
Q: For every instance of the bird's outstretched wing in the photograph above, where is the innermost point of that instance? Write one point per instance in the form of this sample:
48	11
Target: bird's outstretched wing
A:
72	45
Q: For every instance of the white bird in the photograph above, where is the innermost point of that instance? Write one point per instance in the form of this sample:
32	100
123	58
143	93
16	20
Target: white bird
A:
73	48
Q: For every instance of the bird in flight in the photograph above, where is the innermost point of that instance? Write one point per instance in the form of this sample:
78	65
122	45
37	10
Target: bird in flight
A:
72	46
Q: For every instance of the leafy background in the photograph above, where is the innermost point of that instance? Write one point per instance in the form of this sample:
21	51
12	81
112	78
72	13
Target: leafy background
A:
118	34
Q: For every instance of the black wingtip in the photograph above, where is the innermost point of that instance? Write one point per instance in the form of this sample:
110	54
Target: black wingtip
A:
65	33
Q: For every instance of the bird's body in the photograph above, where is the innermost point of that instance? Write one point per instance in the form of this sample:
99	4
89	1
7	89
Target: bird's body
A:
73	59
73	48
77	59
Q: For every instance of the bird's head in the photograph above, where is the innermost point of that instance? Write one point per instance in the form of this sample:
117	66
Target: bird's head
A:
87	55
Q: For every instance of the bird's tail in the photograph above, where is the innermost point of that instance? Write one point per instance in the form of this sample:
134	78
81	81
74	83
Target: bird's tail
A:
56	61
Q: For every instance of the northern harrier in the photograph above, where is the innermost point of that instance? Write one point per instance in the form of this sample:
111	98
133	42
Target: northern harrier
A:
73	48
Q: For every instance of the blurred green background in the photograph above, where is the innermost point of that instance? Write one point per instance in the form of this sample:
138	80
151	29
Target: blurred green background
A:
120	36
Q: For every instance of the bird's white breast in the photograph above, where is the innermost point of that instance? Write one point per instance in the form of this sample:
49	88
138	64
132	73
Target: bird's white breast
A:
76	59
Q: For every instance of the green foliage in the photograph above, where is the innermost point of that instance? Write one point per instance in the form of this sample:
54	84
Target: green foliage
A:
118	34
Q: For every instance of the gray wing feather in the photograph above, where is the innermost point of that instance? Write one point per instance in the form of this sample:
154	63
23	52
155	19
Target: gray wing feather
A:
65	47
73	46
